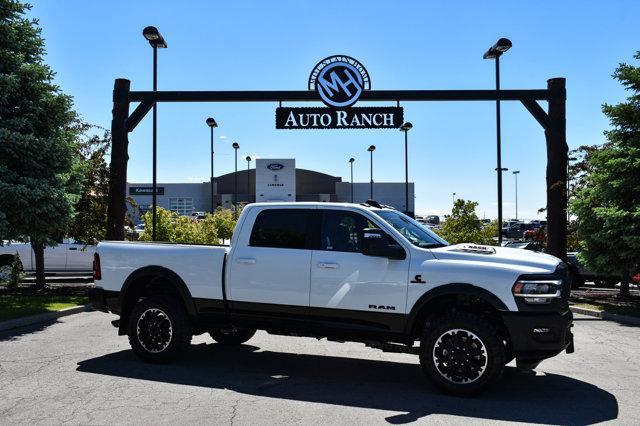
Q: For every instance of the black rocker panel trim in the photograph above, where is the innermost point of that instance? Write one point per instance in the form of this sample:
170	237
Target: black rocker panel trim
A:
314	319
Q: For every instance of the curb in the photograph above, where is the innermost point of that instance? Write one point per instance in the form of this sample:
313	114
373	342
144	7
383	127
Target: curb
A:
44	317
622	319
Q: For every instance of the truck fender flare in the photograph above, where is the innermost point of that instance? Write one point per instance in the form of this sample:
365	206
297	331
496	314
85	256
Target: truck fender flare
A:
453	289
159	271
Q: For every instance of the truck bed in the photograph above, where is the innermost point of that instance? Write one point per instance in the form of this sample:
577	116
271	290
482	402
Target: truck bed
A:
199	266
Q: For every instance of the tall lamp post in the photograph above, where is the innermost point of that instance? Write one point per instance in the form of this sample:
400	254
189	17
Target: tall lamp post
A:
494	52
371	149
156	41
212	123
351	160
235	146
516	173
248	158
453	199
405	128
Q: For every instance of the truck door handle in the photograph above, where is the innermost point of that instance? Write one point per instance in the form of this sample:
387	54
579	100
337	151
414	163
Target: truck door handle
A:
328	265
73	248
247	260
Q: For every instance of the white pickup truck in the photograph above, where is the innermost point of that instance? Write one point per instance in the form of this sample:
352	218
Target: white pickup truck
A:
344	272
67	256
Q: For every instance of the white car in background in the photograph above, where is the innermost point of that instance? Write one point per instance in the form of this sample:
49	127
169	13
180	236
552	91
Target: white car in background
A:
68	256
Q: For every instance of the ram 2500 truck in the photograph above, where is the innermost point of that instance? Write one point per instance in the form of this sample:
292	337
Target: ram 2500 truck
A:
344	272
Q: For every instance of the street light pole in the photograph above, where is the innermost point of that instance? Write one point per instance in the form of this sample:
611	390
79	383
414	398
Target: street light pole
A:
453	199
494	52
248	158
405	128
516	173
235	178
212	123
371	149
351	160
156	41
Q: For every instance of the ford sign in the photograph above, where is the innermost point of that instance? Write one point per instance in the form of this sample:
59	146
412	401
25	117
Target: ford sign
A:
275	166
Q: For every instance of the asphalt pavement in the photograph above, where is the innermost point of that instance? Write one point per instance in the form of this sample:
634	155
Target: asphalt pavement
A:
77	370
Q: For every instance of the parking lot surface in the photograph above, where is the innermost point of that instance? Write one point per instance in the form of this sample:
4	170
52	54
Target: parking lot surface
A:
77	370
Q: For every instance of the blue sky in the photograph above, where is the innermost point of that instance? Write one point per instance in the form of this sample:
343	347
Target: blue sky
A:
259	45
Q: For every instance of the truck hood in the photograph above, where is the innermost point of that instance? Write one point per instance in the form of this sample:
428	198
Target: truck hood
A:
526	260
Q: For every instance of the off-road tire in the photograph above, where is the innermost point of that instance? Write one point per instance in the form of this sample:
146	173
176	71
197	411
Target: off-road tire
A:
162	349
476	335
232	336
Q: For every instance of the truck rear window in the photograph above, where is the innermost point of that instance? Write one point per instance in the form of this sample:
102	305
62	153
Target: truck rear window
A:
282	228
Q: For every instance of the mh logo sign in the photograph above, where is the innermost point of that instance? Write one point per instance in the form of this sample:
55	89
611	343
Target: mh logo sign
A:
339	81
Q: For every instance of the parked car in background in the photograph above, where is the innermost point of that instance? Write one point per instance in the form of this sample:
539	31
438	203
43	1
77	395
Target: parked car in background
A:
68	256
582	274
517	230
198	215
433	219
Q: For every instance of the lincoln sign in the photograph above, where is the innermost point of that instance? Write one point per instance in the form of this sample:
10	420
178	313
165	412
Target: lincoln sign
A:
339	81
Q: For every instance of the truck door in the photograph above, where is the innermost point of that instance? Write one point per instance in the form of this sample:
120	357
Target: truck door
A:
55	258
270	262
79	255
344	278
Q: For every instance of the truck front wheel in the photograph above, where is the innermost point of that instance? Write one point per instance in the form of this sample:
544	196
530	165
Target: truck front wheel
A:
158	329
232	336
462	354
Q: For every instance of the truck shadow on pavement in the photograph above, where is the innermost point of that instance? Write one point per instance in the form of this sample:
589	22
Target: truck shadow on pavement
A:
366	383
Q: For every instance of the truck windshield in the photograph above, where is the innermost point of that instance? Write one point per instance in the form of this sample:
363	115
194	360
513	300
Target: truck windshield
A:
417	234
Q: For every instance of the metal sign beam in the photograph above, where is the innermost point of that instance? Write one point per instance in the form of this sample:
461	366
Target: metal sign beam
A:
311	96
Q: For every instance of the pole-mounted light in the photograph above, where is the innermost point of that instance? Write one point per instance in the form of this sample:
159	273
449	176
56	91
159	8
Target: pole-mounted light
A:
154	37
351	160
494	52
211	122
405	128
501	46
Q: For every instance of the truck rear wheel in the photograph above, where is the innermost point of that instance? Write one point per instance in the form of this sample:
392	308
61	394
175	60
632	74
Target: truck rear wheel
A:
462	354
232	336
158	329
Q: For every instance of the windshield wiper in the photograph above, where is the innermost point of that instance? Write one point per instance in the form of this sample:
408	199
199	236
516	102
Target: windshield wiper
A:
431	245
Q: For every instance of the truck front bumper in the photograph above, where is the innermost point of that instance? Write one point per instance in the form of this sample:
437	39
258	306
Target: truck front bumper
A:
536	336
103	300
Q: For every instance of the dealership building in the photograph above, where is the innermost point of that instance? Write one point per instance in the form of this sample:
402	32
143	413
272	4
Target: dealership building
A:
272	180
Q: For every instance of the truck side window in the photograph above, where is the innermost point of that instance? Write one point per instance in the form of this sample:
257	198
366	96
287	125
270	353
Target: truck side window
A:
282	228
341	230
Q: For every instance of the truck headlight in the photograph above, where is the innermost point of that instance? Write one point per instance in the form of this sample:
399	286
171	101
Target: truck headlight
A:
537	291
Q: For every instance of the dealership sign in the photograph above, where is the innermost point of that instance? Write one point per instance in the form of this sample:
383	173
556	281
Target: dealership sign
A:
339	81
145	190
275	166
329	118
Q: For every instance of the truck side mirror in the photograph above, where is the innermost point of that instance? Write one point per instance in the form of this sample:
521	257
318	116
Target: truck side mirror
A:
376	242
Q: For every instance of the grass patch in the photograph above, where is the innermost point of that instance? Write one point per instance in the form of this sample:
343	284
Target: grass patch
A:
632	311
16	306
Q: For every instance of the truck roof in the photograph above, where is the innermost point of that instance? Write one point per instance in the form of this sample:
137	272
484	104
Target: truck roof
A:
320	204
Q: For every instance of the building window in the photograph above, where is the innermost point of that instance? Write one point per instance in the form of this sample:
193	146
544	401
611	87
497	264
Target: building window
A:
182	206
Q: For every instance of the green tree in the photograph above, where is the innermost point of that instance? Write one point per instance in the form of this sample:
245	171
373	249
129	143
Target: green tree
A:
40	175
224	222
608	205
463	225
90	223
165	225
